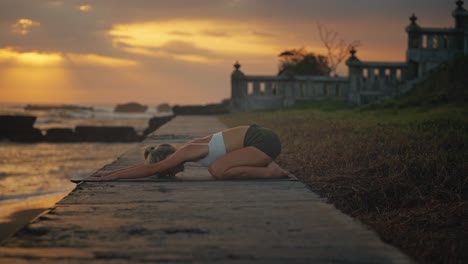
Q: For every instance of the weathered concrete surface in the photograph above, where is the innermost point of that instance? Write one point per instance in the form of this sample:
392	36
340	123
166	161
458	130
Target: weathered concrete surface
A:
194	219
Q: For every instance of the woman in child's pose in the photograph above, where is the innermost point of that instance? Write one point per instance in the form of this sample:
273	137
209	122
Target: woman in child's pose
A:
242	152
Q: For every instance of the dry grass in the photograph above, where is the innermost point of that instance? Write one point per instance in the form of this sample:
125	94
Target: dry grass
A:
407	180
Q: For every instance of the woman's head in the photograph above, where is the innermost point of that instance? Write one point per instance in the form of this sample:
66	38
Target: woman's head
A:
161	152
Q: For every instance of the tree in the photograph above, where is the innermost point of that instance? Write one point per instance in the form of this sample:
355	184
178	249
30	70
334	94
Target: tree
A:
337	48
301	62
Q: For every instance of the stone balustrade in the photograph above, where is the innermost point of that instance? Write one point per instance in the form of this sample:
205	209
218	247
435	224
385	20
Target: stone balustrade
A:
262	92
367	82
382	77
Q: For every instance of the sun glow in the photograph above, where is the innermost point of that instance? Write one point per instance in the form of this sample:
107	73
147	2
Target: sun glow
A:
29	58
46	77
194	41
100	60
85	8
26	84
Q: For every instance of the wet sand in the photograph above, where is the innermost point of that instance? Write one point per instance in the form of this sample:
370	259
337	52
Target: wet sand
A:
17	221
14	214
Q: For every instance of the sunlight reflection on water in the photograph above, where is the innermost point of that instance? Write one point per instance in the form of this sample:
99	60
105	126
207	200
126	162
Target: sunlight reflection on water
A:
42	171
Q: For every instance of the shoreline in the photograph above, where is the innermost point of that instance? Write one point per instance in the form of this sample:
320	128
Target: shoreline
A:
18	220
17	214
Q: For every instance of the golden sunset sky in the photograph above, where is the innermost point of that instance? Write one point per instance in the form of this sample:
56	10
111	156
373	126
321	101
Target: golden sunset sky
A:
181	52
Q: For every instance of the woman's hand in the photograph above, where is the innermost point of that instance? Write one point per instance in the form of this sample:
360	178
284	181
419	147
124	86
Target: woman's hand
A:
107	177
101	173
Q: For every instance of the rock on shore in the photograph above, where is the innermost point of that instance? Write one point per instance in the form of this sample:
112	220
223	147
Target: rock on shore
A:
209	109
130	108
19	128
60	135
106	134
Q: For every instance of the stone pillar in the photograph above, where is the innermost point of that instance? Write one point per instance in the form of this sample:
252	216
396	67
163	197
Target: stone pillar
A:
238	90
355	78
414	34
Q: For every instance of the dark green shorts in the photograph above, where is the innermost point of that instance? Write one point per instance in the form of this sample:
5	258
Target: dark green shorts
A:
264	139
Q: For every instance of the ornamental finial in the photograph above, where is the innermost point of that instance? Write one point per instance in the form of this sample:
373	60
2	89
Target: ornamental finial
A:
237	65
413	19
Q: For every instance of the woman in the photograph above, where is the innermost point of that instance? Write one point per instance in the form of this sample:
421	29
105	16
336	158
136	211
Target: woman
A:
241	152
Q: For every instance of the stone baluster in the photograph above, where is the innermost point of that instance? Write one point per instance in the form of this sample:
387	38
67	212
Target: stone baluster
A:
268	88
393	78
370	78
404	74
441	41
382	79
312	89
430	41
256	88
320	90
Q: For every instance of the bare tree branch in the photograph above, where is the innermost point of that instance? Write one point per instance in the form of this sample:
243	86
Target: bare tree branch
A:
337	49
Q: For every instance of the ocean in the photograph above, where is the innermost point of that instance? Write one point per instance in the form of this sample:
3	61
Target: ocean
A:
34	176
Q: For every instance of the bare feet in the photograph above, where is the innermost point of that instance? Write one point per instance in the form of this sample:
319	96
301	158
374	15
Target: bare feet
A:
277	171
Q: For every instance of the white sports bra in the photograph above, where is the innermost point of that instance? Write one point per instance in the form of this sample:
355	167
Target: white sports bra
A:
216	149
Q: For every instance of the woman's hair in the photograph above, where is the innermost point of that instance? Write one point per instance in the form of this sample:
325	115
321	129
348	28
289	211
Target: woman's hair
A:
154	155
161	152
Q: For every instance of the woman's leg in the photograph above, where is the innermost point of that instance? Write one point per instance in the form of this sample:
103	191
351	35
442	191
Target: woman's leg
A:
246	163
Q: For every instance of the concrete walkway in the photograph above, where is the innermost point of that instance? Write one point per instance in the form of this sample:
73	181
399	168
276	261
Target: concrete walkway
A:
194	219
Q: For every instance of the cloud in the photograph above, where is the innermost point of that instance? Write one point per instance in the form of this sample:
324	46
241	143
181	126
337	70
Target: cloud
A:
147	44
9	55
24	25
85	8
179	33
54	3
214	33
215	37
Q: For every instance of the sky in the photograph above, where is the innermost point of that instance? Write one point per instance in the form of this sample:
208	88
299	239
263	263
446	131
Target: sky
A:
181	51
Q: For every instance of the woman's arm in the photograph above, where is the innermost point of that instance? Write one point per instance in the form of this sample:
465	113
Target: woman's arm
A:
107	172
145	170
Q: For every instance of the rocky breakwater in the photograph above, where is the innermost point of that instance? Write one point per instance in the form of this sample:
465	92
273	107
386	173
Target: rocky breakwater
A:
155	123
106	134
130	108
208	109
19	128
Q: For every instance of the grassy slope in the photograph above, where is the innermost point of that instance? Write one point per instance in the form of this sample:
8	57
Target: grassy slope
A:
401	166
